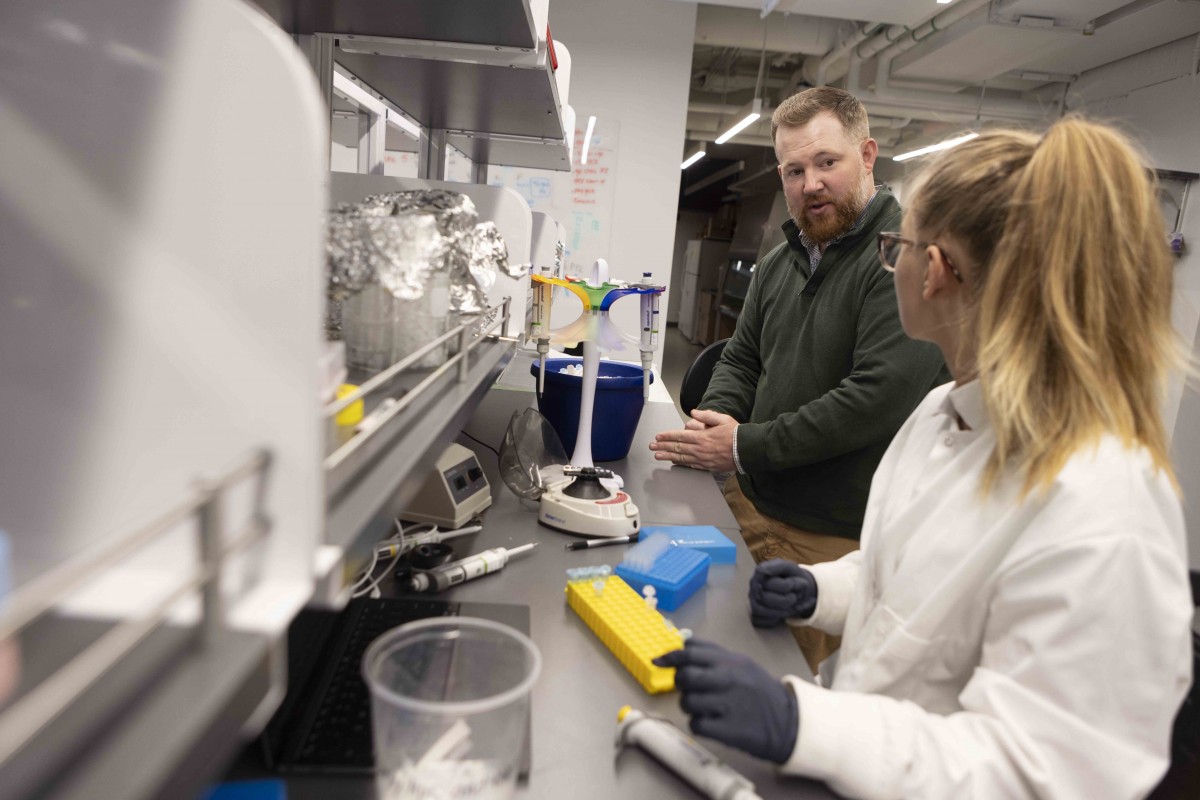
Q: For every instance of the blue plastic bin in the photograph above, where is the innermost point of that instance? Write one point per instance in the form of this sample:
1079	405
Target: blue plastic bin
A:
675	576
705	538
615	414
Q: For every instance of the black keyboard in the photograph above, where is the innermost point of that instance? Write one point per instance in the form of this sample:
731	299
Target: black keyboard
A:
325	723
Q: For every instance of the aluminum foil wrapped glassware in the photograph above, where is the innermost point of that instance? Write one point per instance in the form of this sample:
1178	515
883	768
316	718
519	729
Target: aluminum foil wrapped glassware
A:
403	268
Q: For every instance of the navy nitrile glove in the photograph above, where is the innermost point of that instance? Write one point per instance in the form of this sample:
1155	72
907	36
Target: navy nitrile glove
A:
734	700
780	589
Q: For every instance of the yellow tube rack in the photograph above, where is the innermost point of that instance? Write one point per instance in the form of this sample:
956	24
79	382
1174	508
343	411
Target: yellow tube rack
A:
634	632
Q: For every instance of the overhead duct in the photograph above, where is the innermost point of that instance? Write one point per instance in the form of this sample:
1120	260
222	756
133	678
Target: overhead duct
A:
877	120
741	138
721	26
819	71
870	40
936	101
918	104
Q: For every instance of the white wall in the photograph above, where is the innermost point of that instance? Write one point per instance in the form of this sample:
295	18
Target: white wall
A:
631	60
1155	97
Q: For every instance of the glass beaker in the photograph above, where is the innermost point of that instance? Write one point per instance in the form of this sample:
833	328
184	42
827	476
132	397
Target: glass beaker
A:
449	708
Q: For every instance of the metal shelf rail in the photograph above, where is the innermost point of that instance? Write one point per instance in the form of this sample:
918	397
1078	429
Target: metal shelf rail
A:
365	477
89	702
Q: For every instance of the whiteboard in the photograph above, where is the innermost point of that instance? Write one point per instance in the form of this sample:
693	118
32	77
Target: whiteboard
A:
580	200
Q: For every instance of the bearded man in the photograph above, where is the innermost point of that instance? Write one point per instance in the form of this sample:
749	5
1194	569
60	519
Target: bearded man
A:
818	375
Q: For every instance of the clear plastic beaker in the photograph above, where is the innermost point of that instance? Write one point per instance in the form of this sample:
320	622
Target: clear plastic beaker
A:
369	321
450	708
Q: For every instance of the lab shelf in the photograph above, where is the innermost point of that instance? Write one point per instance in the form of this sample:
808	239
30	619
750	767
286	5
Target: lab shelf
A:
478	69
367	477
343	129
507	98
513	152
183	727
505	23
141	705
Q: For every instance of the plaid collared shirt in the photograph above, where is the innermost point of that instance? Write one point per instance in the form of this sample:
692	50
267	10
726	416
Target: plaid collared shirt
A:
814	248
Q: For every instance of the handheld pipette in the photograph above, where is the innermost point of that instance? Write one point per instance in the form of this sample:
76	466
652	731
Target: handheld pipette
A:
537	322
687	759
649	343
456	572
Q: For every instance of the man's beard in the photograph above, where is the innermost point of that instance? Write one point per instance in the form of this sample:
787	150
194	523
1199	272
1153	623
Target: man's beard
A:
828	227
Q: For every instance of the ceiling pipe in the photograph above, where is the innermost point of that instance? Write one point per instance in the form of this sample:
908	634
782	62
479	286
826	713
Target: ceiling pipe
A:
910	37
721	108
927	101
914	113
913	110
725	26
741	138
1023	110
1127	10
823	65
880	120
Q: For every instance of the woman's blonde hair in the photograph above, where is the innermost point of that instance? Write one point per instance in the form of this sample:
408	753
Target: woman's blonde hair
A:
1072	297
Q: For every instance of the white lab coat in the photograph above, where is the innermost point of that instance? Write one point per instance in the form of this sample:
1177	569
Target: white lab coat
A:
995	648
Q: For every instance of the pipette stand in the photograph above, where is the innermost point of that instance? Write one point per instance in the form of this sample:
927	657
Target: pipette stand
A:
588	501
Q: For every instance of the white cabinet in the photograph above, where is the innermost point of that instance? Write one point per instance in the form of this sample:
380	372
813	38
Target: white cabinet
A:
162	284
702	264
166	486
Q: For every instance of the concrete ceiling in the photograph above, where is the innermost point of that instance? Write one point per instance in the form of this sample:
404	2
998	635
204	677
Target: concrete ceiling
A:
999	61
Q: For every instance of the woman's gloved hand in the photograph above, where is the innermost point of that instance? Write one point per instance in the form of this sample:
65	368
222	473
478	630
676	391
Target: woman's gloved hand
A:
781	589
734	700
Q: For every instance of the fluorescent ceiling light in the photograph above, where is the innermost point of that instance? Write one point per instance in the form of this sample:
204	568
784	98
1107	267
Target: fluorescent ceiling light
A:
944	2
587	140
692	159
754	111
933	148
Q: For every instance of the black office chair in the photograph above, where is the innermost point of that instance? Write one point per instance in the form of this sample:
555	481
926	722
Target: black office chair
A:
1183	776
695	380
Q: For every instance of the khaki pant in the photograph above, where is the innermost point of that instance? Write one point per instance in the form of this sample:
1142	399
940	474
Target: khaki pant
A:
769	538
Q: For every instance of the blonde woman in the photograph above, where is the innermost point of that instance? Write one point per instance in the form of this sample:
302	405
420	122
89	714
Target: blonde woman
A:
1017	621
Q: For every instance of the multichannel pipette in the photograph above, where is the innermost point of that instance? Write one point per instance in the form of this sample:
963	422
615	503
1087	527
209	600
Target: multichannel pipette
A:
649	341
680	752
456	572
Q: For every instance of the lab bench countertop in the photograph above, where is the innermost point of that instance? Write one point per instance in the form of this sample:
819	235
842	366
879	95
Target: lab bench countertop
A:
582	685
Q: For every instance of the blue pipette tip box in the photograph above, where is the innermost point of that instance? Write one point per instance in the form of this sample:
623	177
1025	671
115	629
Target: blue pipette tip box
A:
705	538
675	576
248	790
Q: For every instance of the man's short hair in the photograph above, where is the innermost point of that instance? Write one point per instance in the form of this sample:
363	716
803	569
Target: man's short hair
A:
799	109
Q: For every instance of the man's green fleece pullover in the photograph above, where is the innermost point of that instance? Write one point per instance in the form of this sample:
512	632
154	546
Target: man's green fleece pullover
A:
821	376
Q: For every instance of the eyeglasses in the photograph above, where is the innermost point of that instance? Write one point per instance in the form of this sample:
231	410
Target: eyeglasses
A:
889	252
